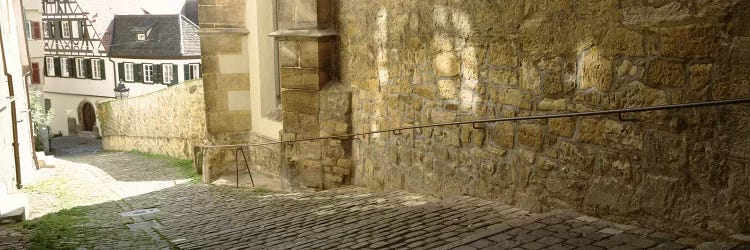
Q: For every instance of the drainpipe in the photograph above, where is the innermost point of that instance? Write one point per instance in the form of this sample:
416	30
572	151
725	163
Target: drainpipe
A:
114	69
28	100
13	118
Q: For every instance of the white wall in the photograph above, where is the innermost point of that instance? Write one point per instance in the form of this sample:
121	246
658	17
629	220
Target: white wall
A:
138	89
89	87
66	105
9	19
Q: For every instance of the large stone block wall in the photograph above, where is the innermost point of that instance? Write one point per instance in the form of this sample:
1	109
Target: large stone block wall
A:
422	62
170	121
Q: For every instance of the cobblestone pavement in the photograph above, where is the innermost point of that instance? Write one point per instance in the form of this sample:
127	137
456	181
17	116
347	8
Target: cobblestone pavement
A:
219	217
67	145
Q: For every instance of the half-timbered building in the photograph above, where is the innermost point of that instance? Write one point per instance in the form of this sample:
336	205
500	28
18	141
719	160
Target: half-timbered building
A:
80	68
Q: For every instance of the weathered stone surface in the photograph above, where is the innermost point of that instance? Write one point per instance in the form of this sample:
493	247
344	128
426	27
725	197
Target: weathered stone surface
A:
621	41
446	64
699	78
298	78
564	127
550	104
665	73
300	101
530	136
140	123
503	134
595	70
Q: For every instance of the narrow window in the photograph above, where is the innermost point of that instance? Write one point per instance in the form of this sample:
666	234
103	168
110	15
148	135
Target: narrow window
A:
50	66
96	72
65	29
128	72
141	37
80	68
167	73
148	72
64	67
36	77
29	31
47	29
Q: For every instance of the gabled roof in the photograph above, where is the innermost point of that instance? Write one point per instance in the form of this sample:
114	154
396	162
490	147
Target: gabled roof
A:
167	36
101	13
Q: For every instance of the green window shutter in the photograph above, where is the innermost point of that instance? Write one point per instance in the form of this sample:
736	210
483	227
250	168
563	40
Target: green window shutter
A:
81	24
58	29
71	67
138	72
157	73
87	63
121	72
58	70
200	71
46	71
186	72
102	71
174	74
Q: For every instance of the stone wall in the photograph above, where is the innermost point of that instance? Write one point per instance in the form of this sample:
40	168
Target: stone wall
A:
422	62
169	121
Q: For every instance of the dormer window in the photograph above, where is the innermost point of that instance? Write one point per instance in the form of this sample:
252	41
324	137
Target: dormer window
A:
141	37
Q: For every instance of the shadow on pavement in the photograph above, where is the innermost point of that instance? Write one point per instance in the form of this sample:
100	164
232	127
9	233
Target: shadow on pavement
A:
129	167
67	145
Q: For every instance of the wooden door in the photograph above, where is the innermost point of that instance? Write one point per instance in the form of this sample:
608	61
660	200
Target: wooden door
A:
89	117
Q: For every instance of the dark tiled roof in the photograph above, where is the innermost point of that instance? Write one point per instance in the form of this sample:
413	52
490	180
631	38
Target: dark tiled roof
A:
169	36
190	10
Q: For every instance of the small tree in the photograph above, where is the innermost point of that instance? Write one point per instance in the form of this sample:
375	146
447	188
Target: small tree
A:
39	116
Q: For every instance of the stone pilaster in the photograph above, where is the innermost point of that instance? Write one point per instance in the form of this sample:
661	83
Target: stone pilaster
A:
314	104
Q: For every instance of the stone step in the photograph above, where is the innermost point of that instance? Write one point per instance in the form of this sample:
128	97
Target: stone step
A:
14	207
44	160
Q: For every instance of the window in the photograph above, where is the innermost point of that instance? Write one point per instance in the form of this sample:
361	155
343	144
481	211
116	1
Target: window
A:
49	29
65	29
64	67
167	73
195	71
36	77
50	66
84	30
148	73
96	70
36	30
80	68
128	72
141	37
76	29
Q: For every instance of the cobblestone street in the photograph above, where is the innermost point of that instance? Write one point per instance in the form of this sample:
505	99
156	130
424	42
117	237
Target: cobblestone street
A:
171	213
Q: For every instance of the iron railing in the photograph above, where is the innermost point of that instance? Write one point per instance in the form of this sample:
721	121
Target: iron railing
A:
396	131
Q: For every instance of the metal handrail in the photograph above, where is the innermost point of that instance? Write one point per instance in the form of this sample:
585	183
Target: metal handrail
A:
475	122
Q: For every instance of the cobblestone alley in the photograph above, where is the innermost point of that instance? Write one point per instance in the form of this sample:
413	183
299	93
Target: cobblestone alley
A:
172	213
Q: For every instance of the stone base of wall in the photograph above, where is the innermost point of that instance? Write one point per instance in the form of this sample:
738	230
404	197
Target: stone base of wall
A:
176	147
221	161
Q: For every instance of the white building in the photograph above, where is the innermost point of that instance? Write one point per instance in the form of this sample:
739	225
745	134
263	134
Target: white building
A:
16	152
80	68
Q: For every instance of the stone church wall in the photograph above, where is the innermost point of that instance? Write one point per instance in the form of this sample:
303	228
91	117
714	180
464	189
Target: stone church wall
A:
170	121
422	62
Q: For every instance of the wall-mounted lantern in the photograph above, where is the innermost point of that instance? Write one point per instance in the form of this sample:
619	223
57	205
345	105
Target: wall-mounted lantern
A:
121	92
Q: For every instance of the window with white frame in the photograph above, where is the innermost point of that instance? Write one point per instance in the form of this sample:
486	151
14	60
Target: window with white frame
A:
75	30
64	67
167	73
50	66
128	72
65	29
195	70
80	68
29	31
96	70
148	73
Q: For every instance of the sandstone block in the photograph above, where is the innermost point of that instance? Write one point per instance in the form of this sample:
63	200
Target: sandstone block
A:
530	78
309	79
595	70
304	125
501	77
691	40
299	101
700	77
446	64
289	54
664	73
503	134
502	53
552	104
564	127
315	54
553	85
622	41
448	89
221	44
530	136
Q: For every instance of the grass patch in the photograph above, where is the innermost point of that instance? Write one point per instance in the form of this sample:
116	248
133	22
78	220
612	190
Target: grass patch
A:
261	189
185	166
57	230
